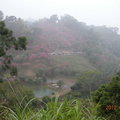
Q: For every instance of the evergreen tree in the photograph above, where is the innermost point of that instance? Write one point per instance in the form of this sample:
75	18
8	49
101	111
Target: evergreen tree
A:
8	43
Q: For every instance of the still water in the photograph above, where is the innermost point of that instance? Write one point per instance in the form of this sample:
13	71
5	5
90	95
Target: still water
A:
42	91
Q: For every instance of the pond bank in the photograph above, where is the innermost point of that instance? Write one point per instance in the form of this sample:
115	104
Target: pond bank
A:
51	88
66	88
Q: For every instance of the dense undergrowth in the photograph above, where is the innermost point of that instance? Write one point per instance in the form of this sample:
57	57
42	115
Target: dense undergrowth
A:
54	110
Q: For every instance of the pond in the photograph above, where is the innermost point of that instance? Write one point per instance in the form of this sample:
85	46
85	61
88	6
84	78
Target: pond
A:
42	91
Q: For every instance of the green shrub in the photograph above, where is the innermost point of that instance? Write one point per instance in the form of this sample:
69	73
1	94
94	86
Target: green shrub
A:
108	98
56	110
12	93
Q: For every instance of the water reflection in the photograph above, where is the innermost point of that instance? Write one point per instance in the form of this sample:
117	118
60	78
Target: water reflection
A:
42	91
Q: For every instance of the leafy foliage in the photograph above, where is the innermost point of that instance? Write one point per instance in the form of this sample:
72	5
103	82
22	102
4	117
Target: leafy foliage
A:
109	95
12	93
99	45
60	83
1	15
87	82
56	110
9	43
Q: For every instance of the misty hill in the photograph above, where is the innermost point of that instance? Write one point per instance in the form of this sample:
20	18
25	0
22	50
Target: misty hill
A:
97	46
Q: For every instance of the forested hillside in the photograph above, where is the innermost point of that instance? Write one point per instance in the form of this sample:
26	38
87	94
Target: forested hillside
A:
49	67
99	45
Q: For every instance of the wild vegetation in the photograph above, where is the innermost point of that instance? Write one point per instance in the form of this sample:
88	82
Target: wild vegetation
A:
72	110
40	52
93	47
108	97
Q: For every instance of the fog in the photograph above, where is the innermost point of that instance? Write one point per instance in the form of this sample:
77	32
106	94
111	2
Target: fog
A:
96	12
59	59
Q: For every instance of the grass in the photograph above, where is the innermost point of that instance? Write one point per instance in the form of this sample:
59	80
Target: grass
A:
55	110
76	63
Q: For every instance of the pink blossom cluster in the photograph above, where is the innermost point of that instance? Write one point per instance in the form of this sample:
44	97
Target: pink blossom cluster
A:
33	56
1	63
25	64
43	55
13	78
14	64
40	66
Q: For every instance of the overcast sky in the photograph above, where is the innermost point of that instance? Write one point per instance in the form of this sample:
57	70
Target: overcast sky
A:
96	12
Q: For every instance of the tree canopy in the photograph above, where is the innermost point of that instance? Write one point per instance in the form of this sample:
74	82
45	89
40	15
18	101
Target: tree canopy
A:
108	98
9	43
1	15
